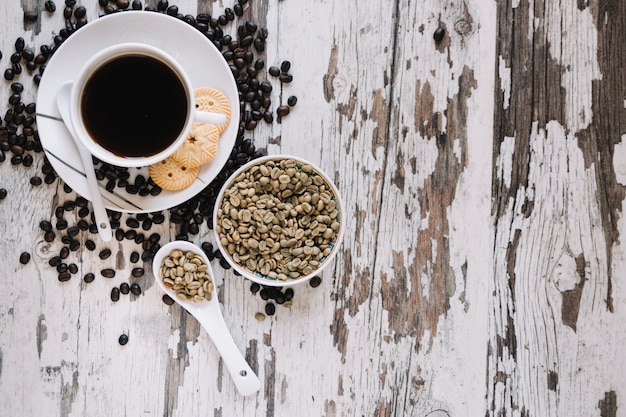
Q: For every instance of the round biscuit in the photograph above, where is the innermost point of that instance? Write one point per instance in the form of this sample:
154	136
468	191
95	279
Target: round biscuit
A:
212	100
171	175
200	146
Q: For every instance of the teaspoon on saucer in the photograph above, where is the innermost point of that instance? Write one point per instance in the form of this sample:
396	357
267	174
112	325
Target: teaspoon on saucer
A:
102	218
209	315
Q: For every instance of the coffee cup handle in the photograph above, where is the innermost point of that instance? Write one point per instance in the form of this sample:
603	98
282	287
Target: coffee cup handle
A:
208	117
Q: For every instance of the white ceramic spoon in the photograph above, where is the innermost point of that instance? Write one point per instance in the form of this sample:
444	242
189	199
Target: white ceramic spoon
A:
99	211
209	315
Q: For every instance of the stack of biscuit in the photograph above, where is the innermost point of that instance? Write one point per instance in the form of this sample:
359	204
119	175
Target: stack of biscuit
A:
180	170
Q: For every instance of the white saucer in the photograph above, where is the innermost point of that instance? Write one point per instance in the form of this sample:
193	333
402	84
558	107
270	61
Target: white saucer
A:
203	62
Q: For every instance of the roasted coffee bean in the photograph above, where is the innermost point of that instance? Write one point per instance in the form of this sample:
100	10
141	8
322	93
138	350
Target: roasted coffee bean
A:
61	224
66	240
282	111
67	13
73	268
20	43
108	273
137	272
70	3
17	87
147	224
45	225
64	252
36	181
58	212
132	222
172	10
104	254
285	78
135	289
136	5
83	212
115	294
64	276
274	71
439	33
162	5
265	293
73	231
315	281
124	288
255	287
292	100
50	6
37	79
49	236
119	235
90	245
123	339
130	234
147	256
81	11
9	74
167	300
285	66
279	297
89	277
24	258
103	3
82	225
270	309
55	261
289	294
62	267
134	257
28	55
74	245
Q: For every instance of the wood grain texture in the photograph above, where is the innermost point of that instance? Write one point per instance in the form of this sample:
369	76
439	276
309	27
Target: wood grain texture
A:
482	270
558	257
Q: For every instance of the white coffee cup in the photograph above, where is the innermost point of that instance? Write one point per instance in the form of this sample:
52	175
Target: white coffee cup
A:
129	128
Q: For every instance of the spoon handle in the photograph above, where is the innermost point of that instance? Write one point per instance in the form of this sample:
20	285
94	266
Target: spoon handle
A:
243	376
99	211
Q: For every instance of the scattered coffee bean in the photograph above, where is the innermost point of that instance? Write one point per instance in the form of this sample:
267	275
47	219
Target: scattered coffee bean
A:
270	309
64	276
255	287
108	273
24	258
292	100
135	289
440	32
50	6
124	288
115	294
90	245
54	261
315	281
289	294
89	277
168	300
259	316
64	252
134	257
104	254
137	272
123	339
73	268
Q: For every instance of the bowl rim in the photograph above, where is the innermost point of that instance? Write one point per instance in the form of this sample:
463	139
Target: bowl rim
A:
257	277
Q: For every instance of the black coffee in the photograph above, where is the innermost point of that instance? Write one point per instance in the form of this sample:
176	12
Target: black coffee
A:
134	106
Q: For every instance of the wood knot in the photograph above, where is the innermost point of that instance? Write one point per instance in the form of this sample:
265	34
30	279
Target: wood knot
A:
463	26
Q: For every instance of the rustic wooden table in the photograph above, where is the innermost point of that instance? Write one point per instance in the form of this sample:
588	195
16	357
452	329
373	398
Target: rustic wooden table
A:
483	267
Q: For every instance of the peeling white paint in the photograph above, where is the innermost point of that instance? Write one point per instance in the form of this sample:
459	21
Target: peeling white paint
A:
504	73
573	44
619	161
505	159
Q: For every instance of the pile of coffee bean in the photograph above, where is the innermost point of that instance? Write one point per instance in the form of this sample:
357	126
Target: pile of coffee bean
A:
241	42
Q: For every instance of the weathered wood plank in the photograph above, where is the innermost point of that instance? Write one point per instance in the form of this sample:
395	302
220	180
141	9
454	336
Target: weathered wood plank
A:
558	257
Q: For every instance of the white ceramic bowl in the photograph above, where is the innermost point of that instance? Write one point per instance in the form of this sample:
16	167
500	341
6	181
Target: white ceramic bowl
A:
257	276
